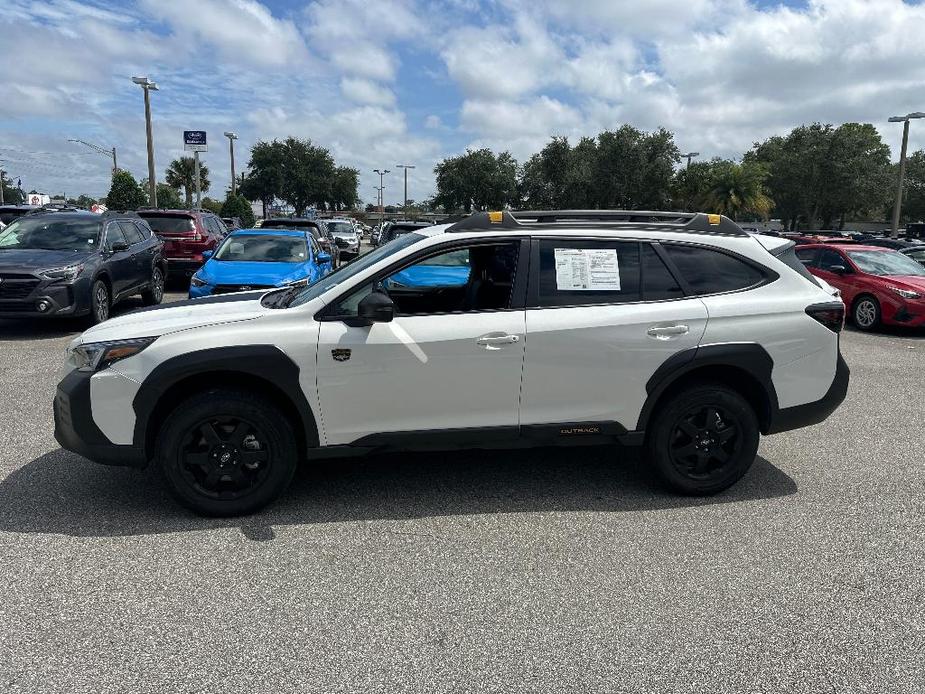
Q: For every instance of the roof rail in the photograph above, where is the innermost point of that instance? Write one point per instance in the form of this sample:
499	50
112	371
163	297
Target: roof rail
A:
685	222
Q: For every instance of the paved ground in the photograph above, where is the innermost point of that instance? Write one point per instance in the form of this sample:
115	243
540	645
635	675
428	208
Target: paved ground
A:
551	570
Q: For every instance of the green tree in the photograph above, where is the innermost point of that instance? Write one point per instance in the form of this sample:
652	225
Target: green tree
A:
690	185
182	174
125	193
307	174
344	195
168	197
477	179
213	206
264	178
85	201
913	187
238	206
738	189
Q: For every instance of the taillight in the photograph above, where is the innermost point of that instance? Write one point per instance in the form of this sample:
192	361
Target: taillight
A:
831	316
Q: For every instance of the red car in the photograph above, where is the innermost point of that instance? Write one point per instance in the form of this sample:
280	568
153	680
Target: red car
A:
878	285
186	234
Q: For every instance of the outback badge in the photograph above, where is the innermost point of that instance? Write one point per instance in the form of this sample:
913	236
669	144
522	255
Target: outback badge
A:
340	354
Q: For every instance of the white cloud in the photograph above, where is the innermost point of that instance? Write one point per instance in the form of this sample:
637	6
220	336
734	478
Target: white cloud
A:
366	92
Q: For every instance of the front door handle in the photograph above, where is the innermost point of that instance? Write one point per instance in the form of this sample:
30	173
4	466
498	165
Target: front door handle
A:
663	332
492	341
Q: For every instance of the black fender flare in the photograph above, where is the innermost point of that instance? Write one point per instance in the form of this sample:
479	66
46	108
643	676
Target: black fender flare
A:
264	362
749	357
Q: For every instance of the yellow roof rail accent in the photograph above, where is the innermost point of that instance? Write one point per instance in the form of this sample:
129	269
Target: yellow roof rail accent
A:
495	217
714	218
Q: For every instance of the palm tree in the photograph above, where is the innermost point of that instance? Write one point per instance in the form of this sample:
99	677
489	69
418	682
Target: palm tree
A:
181	174
739	189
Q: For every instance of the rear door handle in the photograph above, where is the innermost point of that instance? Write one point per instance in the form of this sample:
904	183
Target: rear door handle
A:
492	341
663	332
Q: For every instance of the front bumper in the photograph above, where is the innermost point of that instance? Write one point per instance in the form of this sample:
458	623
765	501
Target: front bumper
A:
76	431
45	298
814	412
910	313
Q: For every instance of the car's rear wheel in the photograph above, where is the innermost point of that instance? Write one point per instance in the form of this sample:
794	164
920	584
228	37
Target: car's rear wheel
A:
154	294
866	313
100	301
227	453
703	439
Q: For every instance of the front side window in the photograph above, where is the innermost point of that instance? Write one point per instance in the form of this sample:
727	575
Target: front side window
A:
807	256
114	235
463	280
263	249
580	272
711	272
48	233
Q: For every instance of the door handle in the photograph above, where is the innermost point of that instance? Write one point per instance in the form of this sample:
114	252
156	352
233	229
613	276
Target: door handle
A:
663	332
491	341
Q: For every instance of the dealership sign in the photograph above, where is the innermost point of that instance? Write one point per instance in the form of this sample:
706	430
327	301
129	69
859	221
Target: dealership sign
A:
195	141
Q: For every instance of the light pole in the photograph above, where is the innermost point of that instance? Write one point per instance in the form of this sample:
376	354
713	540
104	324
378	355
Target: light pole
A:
231	138
689	156
101	150
405	167
382	174
897	206
149	86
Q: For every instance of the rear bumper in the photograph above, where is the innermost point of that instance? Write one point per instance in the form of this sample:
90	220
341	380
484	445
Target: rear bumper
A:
182	266
76	431
814	412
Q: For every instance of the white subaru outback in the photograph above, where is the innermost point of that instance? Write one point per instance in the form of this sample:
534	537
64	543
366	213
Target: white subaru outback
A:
678	332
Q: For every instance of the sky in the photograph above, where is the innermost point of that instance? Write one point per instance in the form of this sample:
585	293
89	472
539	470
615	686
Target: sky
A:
387	82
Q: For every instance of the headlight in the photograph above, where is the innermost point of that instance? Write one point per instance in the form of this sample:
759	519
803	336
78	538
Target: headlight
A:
64	273
905	293
94	356
197	282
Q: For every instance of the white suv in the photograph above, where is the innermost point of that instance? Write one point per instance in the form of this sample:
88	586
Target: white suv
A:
675	331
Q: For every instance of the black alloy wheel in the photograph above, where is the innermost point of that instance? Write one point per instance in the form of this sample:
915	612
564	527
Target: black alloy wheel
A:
704	441
100	301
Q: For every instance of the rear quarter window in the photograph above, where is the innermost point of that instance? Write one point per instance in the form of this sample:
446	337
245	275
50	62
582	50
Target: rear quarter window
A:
711	272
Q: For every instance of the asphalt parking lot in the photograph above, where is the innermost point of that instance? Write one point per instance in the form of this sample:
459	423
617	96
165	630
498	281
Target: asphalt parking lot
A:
550	570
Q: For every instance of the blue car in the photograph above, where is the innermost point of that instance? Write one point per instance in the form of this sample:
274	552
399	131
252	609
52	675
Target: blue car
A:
260	259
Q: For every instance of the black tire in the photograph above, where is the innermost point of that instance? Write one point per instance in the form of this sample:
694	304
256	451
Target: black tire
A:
866	313
227	452
154	294
100	301
703	439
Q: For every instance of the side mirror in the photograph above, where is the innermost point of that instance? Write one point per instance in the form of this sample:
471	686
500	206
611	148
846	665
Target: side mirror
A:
376	307
118	246
838	269
207	254
323	257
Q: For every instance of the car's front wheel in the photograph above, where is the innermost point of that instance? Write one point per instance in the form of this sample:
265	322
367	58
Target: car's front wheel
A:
227	452
703	439
100	301
866	313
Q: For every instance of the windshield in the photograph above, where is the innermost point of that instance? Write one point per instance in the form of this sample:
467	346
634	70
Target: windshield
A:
45	233
345	272
340	228
163	224
885	263
256	248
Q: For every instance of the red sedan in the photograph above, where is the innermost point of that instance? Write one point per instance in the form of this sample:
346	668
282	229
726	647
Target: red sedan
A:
878	285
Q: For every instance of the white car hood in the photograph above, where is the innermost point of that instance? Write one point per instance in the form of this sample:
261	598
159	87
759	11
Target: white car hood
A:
183	315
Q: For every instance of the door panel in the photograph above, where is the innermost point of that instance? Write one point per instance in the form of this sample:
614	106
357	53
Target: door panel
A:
420	373
121	264
591	363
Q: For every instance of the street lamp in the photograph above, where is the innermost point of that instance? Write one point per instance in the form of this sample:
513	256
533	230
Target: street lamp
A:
149	86
405	167
231	138
382	174
897	206
101	150
689	156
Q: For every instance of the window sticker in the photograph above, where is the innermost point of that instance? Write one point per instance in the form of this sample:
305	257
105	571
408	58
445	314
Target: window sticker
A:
587	269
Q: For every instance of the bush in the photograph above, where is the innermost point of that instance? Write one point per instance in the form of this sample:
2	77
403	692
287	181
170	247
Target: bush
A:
125	193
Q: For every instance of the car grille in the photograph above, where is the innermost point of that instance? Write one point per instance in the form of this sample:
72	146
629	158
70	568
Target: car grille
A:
231	288
343	243
16	286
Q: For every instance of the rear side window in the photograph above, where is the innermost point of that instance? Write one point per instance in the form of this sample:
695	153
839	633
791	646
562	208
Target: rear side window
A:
131	233
657	281
710	272
580	272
